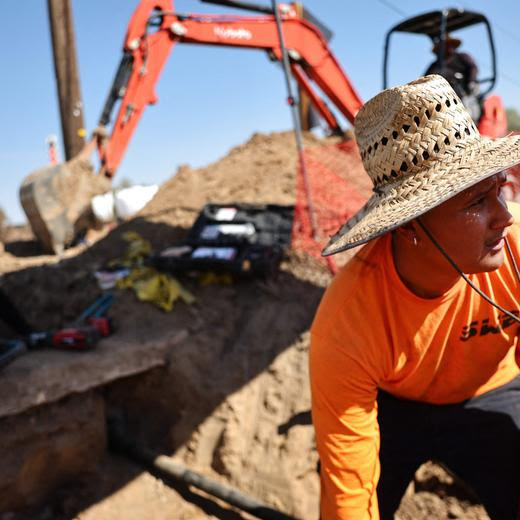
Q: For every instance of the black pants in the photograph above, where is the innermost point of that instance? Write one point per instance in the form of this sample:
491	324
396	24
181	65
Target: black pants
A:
479	440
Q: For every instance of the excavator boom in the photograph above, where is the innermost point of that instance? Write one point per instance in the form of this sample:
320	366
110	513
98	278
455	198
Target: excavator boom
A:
57	200
146	53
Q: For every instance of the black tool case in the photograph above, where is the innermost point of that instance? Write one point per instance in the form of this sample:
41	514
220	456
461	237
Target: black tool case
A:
241	239
230	224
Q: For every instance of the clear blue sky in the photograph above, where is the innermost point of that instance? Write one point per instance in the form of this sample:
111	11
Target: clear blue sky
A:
210	98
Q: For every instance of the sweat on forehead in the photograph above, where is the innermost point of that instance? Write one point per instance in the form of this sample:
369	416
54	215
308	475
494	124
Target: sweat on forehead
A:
498	178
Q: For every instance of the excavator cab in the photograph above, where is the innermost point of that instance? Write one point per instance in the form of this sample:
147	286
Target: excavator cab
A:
440	27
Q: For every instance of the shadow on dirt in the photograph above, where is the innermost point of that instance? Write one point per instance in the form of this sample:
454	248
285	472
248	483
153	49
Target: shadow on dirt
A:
19	241
24	248
117	472
234	333
302	418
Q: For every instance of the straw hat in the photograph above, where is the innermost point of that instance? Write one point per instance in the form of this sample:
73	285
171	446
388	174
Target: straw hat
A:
420	147
449	41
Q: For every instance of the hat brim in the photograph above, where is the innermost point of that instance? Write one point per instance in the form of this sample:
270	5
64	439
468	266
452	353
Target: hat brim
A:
386	211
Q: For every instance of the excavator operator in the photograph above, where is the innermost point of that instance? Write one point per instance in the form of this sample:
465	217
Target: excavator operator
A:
460	69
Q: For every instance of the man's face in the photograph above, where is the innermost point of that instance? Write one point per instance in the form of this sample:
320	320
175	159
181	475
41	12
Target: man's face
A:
449	50
471	226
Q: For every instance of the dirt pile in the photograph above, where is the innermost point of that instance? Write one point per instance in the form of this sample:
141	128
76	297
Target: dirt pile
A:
233	402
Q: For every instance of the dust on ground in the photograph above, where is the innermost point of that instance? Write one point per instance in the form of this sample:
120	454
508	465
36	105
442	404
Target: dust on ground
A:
234	401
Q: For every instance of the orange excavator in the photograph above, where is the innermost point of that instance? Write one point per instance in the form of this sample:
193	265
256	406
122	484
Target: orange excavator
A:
56	199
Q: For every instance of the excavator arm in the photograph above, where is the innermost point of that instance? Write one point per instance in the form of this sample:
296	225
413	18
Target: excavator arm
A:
56	199
155	28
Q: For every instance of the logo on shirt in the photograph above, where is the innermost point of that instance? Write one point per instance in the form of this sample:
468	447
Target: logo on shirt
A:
483	327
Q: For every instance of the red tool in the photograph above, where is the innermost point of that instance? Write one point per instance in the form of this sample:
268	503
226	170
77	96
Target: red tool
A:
94	315
88	329
92	326
70	338
102	324
78	338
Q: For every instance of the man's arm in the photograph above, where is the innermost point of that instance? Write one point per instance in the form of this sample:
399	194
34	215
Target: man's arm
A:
344	413
471	67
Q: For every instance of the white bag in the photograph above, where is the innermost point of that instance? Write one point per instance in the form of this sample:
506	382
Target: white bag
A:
131	200
124	203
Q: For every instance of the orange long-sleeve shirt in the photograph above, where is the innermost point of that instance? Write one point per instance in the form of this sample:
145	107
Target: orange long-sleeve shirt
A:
372	332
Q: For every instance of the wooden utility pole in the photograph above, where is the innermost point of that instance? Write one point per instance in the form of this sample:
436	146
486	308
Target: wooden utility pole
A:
305	109
66	70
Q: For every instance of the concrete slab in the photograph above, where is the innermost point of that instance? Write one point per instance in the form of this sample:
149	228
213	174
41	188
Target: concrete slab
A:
45	376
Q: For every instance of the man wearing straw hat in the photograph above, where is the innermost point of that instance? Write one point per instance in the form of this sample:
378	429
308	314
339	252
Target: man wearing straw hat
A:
413	345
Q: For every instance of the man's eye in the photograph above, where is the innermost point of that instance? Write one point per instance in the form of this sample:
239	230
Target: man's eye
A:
477	202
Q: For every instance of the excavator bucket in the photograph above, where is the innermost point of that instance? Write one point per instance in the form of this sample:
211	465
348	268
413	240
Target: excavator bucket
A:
56	200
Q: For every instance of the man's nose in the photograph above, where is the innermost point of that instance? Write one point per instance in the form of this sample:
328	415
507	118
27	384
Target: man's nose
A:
502	217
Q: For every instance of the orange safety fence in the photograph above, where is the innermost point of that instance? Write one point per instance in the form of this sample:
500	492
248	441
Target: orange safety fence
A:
338	187
513	180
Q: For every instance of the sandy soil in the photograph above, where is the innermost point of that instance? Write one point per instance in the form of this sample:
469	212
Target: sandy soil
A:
234	401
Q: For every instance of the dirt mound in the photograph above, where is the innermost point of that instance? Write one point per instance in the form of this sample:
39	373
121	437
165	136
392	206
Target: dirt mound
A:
234	401
261	170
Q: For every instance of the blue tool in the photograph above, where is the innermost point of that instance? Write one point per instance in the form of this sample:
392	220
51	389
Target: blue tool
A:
11	349
93	315
98	308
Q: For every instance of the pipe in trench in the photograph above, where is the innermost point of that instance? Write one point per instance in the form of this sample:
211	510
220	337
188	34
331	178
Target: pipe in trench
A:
120	443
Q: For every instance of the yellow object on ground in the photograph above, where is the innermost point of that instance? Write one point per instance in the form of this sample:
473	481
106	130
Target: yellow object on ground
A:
138	249
158	288
149	285
211	278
